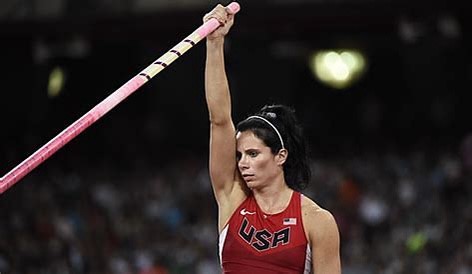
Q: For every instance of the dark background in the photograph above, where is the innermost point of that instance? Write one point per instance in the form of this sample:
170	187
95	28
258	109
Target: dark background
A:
414	97
415	90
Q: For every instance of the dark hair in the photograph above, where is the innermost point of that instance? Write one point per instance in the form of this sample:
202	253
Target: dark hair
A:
296	169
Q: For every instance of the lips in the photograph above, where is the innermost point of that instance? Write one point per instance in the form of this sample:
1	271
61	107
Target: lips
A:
248	177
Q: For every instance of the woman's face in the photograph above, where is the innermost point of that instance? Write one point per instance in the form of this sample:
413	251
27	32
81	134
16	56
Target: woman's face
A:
256	163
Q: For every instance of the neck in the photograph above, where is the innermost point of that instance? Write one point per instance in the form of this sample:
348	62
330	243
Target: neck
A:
273	199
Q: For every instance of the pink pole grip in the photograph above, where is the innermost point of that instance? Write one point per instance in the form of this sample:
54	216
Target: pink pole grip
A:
108	103
212	24
234	7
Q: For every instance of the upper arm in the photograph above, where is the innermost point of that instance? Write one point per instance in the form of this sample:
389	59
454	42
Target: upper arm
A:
222	155
324	241
223	172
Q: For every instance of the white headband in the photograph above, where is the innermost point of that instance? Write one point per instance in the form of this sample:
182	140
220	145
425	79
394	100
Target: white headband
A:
270	124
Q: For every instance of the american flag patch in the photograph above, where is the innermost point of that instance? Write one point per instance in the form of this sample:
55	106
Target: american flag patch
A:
290	221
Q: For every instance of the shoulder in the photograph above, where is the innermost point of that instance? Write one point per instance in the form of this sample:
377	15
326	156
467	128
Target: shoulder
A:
323	236
312	210
319	223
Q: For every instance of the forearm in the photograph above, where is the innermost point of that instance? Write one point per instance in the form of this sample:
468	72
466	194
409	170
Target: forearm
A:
216	83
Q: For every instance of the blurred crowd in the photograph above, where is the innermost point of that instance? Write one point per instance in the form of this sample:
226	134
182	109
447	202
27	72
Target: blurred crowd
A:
398	211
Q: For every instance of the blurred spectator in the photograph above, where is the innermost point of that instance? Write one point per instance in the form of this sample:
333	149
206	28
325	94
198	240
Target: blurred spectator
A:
397	213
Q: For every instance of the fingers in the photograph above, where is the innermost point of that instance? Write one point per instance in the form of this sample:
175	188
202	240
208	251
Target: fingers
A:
220	13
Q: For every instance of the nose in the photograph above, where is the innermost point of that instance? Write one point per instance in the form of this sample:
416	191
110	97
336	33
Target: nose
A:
243	163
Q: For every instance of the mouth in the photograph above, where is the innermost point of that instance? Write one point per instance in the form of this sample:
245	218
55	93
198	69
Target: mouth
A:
248	177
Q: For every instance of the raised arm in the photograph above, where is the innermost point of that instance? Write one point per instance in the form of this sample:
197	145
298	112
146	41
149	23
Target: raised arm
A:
223	171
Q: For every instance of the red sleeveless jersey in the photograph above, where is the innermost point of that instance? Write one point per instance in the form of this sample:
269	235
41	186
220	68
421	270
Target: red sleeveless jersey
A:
255	242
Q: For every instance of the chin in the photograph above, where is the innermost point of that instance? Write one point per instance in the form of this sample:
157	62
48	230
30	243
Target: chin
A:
253	185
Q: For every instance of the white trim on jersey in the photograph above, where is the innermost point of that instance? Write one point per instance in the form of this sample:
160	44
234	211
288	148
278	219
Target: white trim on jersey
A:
222	242
307	260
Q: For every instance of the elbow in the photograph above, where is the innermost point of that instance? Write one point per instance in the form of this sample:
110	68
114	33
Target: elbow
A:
220	121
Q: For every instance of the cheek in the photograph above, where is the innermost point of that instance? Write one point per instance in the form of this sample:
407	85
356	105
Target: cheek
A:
261	164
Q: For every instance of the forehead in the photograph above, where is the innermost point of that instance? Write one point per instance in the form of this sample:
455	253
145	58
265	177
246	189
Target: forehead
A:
247	139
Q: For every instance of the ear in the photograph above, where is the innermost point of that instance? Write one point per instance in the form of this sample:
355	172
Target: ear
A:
281	157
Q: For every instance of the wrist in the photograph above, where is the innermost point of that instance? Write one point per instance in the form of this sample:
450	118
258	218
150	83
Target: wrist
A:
215	42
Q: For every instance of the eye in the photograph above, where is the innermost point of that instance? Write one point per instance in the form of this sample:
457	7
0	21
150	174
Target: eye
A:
253	153
238	155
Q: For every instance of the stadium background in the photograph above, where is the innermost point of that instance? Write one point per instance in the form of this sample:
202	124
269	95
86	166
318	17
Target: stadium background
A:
391	155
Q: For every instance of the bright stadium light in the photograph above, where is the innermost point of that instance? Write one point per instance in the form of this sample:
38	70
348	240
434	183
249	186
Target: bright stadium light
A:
338	69
56	82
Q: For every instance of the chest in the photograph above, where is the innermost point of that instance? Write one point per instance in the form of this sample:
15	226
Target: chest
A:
264	233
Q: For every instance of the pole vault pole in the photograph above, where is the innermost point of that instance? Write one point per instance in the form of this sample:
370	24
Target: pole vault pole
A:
109	103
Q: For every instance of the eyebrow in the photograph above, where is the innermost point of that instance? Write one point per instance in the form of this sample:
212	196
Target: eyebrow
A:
248	150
